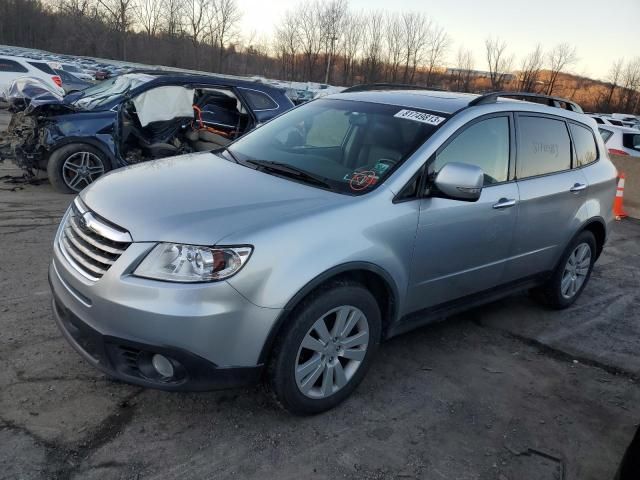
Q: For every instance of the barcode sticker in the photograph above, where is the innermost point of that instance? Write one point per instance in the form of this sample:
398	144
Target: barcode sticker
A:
420	117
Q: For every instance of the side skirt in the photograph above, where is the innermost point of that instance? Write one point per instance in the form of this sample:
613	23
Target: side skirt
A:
440	312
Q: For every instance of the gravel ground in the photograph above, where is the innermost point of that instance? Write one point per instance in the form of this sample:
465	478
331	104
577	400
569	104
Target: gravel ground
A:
507	391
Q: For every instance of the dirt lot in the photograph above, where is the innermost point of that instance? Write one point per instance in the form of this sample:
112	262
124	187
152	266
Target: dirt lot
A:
508	391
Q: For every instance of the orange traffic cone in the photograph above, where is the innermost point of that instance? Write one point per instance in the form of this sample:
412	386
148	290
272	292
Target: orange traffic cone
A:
618	209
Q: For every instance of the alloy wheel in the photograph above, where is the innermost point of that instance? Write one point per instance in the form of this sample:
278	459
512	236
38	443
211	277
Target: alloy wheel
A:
576	270
331	352
80	169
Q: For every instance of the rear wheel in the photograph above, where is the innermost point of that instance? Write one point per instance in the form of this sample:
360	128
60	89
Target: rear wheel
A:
572	273
73	167
326	349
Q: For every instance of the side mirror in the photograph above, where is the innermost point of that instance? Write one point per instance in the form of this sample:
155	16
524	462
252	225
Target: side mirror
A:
460	181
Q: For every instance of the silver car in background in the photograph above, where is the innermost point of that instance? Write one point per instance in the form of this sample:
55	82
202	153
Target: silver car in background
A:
292	253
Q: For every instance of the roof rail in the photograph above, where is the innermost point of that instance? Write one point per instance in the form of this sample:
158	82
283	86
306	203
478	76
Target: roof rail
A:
368	87
557	102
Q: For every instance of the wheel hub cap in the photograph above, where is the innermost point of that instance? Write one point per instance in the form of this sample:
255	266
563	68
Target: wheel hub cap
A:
331	352
576	270
80	169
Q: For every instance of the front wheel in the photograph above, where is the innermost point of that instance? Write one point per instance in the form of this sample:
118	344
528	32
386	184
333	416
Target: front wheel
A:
73	167
326	349
571	274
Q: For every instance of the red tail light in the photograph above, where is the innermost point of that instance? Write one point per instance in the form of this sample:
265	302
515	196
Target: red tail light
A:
57	80
615	151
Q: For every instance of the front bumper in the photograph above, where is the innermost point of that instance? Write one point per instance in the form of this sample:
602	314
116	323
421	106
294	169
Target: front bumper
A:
130	361
211	334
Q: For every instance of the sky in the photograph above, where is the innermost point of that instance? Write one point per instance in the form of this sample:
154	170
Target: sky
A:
602	31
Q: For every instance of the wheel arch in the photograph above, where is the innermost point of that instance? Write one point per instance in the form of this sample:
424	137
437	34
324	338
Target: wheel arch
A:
377	280
598	227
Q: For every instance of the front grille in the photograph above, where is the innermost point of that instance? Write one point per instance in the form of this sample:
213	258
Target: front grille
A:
89	243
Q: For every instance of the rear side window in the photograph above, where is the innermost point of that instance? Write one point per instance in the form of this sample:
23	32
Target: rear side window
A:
484	144
11	66
631	140
43	67
605	134
584	144
544	146
258	100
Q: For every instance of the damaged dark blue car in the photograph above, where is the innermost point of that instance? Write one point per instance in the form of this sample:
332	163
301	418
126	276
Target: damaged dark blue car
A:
132	118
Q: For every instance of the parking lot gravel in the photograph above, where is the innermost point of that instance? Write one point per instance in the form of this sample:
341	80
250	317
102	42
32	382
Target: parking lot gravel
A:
507	391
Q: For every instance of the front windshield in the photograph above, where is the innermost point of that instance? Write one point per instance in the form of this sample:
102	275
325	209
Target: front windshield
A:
103	93
351	146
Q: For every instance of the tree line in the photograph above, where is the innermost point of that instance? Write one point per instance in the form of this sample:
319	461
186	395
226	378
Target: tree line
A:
320	41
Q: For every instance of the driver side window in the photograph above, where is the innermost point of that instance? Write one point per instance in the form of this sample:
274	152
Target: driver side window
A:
484	144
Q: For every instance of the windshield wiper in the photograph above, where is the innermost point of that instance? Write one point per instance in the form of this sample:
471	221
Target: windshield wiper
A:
229	152
290	170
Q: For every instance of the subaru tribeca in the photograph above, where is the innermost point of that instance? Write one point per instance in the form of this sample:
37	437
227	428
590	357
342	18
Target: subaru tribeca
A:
290	254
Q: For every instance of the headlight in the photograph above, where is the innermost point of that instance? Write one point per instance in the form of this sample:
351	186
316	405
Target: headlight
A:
189	263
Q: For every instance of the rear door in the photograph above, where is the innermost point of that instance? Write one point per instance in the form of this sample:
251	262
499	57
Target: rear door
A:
552	194
461	247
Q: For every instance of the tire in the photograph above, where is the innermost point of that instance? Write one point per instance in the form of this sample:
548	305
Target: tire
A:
344	362
555	293
65	167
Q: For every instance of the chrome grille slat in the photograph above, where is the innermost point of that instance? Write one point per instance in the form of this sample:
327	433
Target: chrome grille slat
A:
81	260
89	252
95	256
89	239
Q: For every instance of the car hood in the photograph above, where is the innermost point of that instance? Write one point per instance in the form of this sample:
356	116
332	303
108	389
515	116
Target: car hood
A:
199	199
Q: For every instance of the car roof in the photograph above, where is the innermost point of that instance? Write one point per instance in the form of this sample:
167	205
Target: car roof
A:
445	102
435	101
168	77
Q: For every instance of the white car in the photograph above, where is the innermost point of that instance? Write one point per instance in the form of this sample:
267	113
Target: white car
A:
605	120
12	68
621	140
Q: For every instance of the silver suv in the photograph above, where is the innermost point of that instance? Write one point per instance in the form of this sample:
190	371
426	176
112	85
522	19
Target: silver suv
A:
292	253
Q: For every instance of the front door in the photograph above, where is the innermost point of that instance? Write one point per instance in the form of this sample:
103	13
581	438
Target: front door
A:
461	247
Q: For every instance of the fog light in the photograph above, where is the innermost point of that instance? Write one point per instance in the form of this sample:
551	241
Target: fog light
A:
162	365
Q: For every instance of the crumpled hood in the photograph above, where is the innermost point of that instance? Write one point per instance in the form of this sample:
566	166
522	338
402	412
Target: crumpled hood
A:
199	199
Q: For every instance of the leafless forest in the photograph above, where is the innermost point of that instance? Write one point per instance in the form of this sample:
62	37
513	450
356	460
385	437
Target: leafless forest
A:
315	41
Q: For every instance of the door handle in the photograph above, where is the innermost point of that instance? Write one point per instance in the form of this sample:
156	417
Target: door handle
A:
578	187
505	203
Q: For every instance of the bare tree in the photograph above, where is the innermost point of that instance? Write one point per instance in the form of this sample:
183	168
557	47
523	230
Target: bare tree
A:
416	28
464	65
373	45
149	14
196	12
631	86
332	15
287	44
352	42
614	77
437	45
394	37
530	71
172	14
119	15
498	61
310	34
228	17
560	57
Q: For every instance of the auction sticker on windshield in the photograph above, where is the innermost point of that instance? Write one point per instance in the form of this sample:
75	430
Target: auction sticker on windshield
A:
420	117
